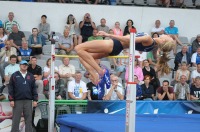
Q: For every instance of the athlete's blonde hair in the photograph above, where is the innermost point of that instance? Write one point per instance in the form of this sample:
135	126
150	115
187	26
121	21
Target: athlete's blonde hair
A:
162	65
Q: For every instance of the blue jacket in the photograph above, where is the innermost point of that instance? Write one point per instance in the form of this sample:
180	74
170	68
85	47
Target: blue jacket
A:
179	57
31	40
20	88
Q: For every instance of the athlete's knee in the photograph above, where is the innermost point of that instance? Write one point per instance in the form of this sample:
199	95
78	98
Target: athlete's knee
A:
77	48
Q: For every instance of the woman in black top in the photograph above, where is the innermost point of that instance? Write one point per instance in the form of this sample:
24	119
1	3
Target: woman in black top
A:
147	88
147	70
129	25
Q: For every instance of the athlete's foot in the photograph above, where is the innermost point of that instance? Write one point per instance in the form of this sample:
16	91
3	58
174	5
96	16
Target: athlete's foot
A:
96	80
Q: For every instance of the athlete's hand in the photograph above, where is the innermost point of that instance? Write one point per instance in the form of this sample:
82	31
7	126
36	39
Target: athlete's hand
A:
103	34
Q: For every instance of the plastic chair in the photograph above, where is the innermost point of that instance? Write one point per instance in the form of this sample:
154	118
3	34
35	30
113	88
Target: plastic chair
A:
127	2
46	49
139	2
183	39
151	3
27	34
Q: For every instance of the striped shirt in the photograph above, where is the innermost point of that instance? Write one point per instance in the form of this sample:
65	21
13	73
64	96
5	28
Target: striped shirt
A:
8	25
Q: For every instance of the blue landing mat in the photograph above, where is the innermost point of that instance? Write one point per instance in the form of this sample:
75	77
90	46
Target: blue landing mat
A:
116	123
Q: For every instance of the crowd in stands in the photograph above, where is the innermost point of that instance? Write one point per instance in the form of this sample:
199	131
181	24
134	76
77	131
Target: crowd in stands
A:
73	82
159	3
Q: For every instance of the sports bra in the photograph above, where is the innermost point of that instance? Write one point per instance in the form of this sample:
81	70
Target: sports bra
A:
140	47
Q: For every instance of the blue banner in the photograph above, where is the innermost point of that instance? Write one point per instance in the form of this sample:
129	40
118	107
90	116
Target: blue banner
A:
145	107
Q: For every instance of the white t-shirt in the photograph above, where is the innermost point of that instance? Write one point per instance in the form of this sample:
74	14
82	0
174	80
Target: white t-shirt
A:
154	29
5	37
142	57
10	69
72	29
47	69
194	57
195	74
77	88
114	94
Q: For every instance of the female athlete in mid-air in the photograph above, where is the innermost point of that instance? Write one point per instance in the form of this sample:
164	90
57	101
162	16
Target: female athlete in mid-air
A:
97	49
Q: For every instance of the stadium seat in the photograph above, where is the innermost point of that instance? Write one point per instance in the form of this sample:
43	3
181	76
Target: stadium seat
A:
41	97
197	3
151	2
178	48
58	63
77	1
27	34
140	2
48	42
86	80
45	57
76	63
58	34
171	63
188	3
107	64
46	49
183	39
192	39
41	63
127	2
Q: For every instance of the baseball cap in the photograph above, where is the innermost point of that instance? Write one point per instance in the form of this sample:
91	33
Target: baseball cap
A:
23	62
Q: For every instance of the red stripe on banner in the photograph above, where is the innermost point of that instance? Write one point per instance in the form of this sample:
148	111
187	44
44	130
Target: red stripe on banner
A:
52	87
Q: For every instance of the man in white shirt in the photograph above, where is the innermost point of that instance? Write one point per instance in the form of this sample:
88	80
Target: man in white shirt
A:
157	28
9	70
77	89
195	73
196	57
116	91
66	70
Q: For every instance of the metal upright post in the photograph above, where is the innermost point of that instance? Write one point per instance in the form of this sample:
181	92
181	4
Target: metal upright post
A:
131	88
51	111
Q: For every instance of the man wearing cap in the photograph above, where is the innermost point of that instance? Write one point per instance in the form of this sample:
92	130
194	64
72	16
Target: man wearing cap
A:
22	91
196	44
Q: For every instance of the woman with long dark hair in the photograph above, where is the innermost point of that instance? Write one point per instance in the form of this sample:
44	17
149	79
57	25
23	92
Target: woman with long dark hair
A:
73	25
129	25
